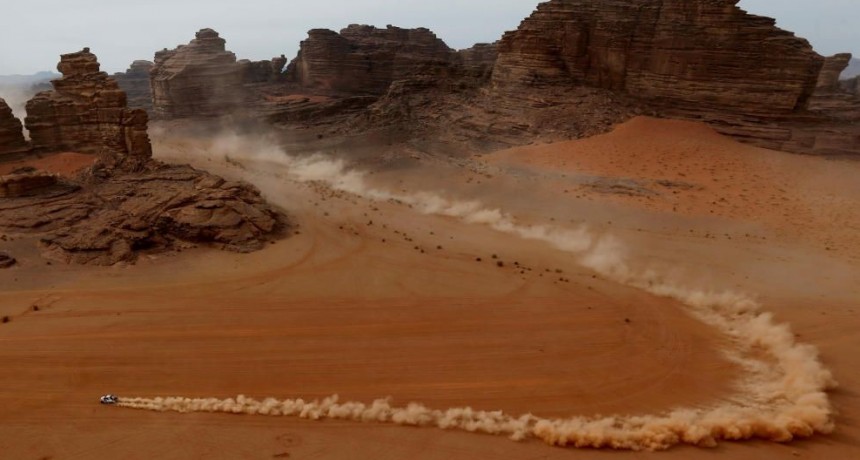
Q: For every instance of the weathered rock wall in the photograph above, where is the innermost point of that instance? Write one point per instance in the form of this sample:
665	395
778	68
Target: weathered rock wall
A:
704	53
479	60
11	132
135	83
365	60
87	112
200	79
270	71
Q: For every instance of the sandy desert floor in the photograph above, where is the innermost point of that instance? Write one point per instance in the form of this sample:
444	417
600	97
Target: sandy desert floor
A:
370	298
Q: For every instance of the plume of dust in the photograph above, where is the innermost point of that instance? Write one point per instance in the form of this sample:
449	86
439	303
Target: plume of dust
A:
783	397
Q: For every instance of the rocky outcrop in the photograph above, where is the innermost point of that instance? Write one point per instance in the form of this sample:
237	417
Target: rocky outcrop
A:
828	78
127	203
26	184
365	60
11	132
263	71
165	207
707	54
706	60
851	85
135	83
87	113
200	79
479	60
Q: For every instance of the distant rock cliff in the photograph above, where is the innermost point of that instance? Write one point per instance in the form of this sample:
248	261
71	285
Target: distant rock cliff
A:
87	112
200	79
366	60
135	83
703	59
707	54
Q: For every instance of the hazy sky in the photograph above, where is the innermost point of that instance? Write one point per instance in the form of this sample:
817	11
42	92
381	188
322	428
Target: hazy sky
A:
34	33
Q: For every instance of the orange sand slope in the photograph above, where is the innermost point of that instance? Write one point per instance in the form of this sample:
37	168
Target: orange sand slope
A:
685	167
373	299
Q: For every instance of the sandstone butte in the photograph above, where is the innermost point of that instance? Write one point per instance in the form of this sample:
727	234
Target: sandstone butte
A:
366	60
87	113
127	202
203	79
135	83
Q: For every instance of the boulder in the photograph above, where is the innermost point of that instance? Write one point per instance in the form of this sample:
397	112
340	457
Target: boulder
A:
86	112
200	79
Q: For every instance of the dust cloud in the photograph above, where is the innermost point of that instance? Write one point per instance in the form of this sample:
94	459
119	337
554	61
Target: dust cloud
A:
783	395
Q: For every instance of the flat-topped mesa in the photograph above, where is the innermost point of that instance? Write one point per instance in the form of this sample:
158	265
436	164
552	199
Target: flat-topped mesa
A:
708	55
200	79
135	83
365	60
11	132
87	112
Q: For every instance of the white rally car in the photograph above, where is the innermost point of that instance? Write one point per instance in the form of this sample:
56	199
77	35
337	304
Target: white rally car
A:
108	399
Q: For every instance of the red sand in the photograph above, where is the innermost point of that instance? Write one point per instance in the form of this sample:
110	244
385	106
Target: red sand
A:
359	309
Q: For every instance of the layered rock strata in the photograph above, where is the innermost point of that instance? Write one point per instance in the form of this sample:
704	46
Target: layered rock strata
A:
11	132
706	60
127	203
708	54
365	60
87	113
270	71
200	79
135	83
25	184
165	207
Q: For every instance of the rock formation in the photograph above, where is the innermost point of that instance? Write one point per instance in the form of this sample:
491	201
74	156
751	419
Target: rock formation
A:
26	184
263	71
11	132
707	54
200	79
163	207
87	113
365	60
479	60
127	202
702	59
135	83
828	78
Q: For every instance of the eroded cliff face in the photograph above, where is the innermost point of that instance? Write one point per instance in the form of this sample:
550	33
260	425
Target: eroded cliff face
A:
200	79
708	54
11	132
135	83
127	202
365	60
87	113
701	59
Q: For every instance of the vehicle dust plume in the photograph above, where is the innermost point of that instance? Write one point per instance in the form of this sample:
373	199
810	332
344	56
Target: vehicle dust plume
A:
783	395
